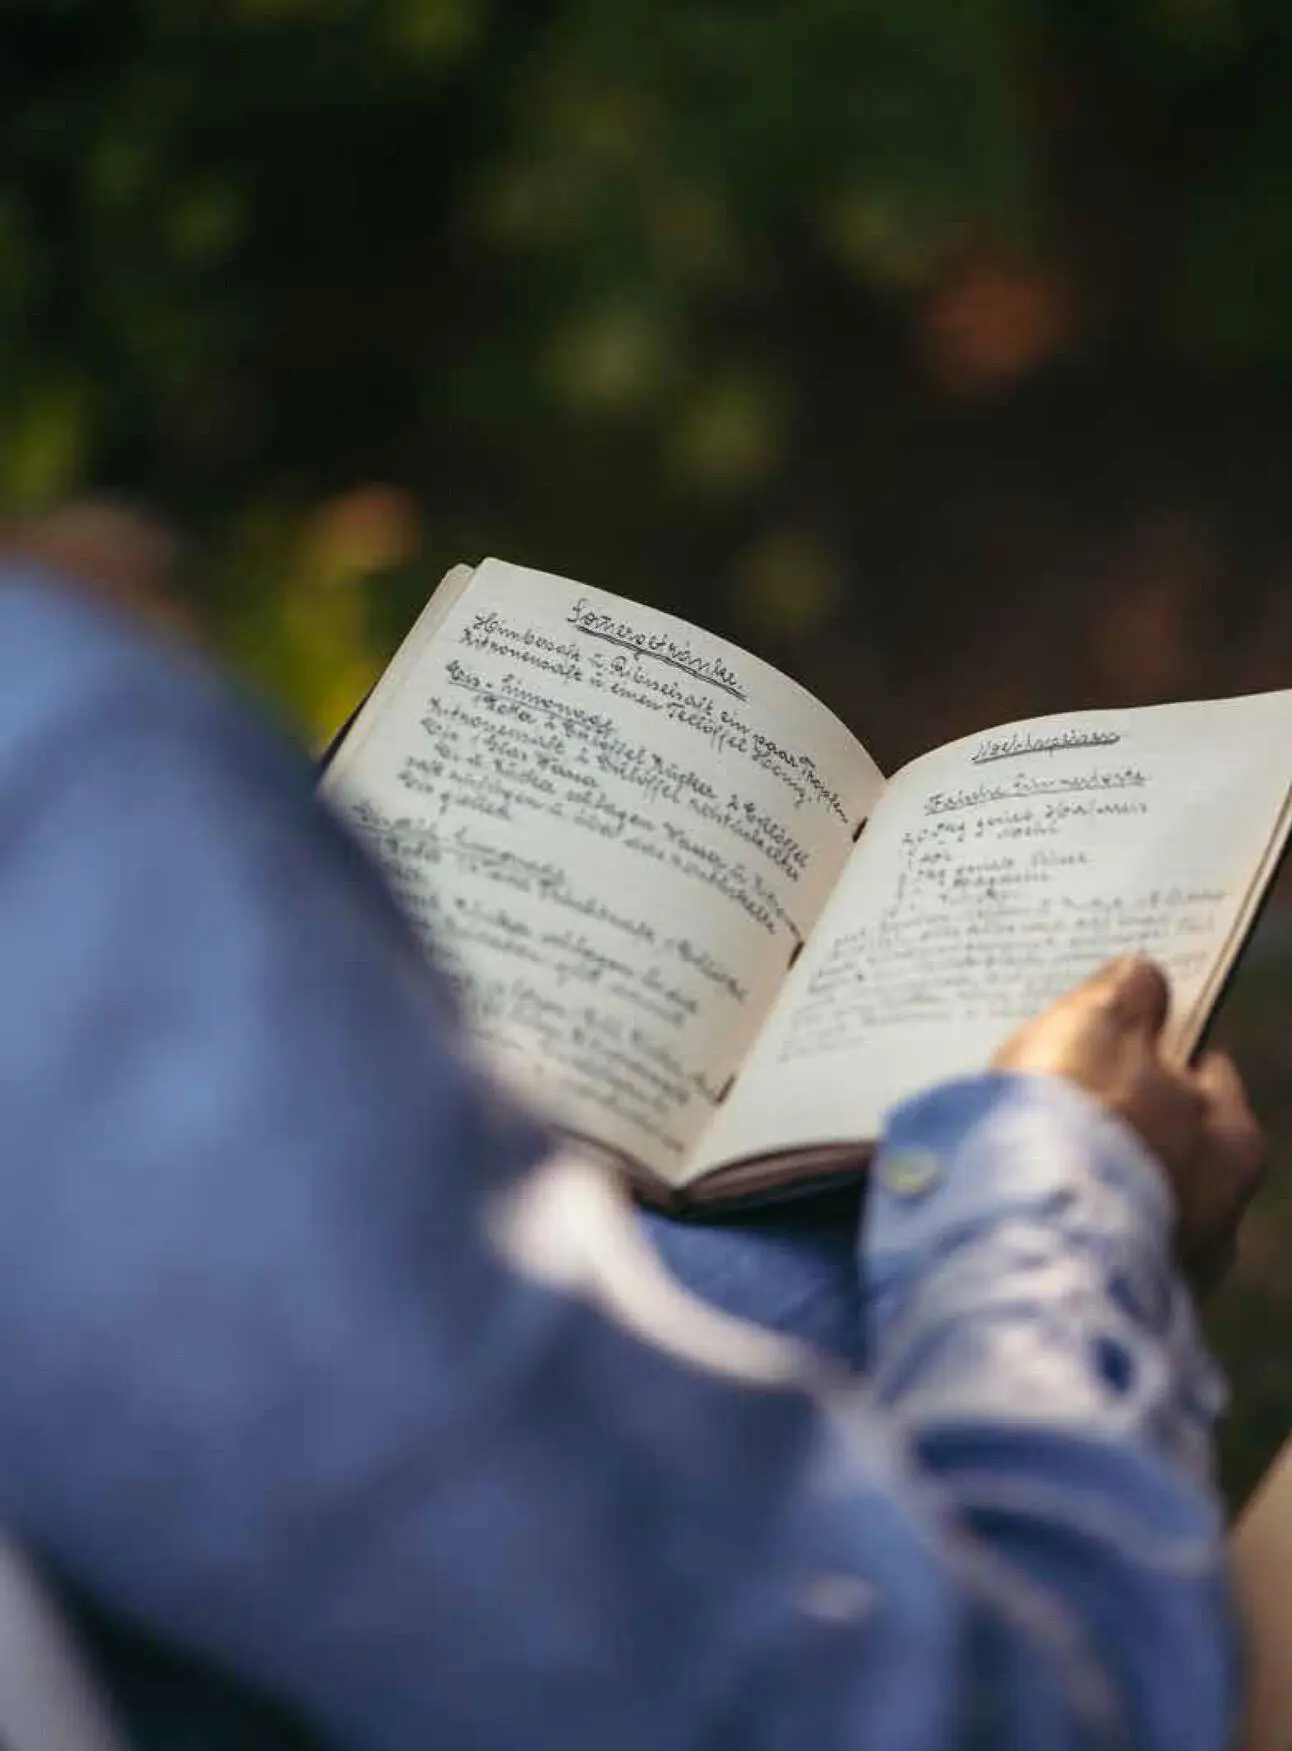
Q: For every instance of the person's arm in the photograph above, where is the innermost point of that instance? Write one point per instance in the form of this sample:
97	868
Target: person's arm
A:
1030	1339
1033	1344
313	1366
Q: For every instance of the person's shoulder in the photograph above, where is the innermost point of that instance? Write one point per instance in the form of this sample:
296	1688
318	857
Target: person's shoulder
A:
73	668
101	720
59	649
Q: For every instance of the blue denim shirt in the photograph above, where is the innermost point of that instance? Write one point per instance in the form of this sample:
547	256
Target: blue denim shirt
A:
317	1367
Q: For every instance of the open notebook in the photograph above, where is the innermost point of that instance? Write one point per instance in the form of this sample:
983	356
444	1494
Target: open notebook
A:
695	922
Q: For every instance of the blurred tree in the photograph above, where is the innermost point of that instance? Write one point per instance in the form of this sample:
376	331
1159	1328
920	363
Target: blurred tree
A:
699	264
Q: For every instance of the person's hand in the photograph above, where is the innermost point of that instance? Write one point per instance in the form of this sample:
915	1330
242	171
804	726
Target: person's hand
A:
1106	1036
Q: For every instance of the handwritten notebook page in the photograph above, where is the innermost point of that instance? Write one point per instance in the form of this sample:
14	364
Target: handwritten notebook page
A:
994	874
615	831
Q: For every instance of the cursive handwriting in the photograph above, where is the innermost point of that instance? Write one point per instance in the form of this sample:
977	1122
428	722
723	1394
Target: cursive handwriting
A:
940	802
1006	942
660	647
988	901
613	843
1017	743
620	677
510	751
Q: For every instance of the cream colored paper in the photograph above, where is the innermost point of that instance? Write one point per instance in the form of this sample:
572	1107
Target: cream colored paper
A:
615	830
997	872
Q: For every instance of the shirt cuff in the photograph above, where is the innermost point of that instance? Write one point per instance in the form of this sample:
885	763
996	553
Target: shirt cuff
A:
1018	1269
988	1148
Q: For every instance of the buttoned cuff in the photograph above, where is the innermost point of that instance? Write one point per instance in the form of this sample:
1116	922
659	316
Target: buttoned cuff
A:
988	1148
1019	1269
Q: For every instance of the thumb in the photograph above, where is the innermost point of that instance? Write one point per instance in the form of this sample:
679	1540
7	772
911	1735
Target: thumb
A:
1135	994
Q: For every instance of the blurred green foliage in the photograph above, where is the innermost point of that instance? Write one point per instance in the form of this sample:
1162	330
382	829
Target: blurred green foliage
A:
524	263
937	349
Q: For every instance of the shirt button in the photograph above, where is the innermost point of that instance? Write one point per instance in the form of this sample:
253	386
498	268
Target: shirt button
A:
910	1173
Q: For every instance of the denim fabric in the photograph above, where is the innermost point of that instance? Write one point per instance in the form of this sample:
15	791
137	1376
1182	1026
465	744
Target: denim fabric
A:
790	1266
313	1372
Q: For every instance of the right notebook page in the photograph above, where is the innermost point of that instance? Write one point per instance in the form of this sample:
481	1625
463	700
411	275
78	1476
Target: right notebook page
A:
997	872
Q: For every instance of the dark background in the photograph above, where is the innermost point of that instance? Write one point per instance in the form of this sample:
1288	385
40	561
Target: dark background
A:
940	352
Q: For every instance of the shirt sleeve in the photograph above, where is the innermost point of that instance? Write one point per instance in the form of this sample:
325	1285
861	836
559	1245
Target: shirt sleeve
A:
318	1364
1031	1339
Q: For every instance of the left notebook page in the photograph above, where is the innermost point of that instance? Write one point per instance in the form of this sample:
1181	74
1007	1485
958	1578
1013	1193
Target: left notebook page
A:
614	830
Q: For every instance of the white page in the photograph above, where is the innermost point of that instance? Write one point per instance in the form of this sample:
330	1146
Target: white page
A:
996	873
614	829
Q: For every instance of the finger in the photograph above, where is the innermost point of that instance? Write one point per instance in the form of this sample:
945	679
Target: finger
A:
1086	1034
1226	1169
1168	1110
1135	993
1233	1132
